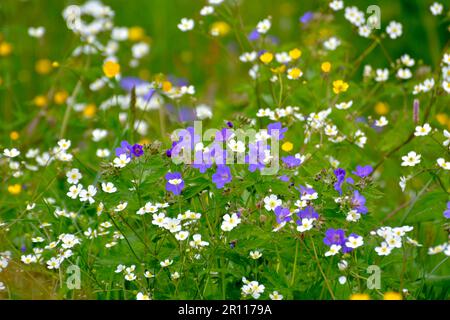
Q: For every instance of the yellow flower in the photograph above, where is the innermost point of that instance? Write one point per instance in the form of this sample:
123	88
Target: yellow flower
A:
381	108
90	110
111	69
43	66
60	97
392	296
287	146
220	28
442	118
294	73
55	64
339	86
279	69
40	101
144	141
15	189
14	135
326	66
136	33
360	296
266	57
166	86
5	49
295	54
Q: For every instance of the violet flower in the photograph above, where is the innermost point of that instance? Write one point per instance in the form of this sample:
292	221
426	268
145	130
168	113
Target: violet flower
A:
447	212
340	176
363	172
308	213
282	214
358	202
175	183
222	176
276	126
291	161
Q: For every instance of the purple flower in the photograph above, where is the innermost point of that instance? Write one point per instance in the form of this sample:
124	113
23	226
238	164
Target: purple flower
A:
308	213
276	126
307	17
230	124
128	83
334	236
340	176
363	172
202	161
125	148
174	182
305	190
284	178
254	35
222	176
447	212
358	202
137	150
282	214
256	156
291	161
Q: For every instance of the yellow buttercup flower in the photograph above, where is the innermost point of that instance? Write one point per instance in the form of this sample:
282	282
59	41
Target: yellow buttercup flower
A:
43	66
339	86
325	66
220	28
360	296
90	110
381	108
15	189
40	101
5	49
266	57
166	86
279	69
14	135
442	118
295	54
287	146
111	69
60	97
294	73
392	296
136	33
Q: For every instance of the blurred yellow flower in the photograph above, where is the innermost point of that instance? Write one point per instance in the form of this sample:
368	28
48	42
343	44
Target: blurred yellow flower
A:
90	110
295	54
144	141
392	296
326	66
220	28
40	101
287	146
136	33
381	108
60	97
5	49
279	69
14	135
360	296
166	86
294	73
442	118
339	86
111	69
43	66
266	57
55	64
15	189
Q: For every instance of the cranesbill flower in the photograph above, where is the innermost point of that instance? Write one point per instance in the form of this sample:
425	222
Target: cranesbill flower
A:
447	212
222	176
273	127
358	202
307	17
291	161
363	171
282	214
340	176
334	236
308	212
174	183
307	193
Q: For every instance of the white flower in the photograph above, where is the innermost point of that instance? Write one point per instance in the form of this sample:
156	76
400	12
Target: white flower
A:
28	259
73	176
354	242
88	194
282	57
384	249
381	75
2	286
253	289
342	280
108	187
121	206
353	216
436	8
332	43
230	222
74	191
446	86
334	249
342	265
121	161
422	130
336	5
140	50
130	276
197	242
263	26
36	32
438	249
99	134
103	153
158	219
306	225
255	255
394	29
443	164
364	31
166	263
404	73
64	144
344	105
271	202
182	235
381	122
354	16
275	296
402	183
186	24
203	112
411	159
394	241
446	143
53	263
11	153
248	56
175	275
407	60
236	146
142	296
207	10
